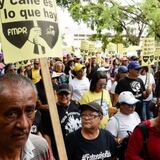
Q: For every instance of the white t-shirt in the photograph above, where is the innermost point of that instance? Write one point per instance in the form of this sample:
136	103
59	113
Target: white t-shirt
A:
120	123
145	81
79	87
113	87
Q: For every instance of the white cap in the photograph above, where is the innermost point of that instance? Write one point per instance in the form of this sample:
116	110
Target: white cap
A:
127	97
103	69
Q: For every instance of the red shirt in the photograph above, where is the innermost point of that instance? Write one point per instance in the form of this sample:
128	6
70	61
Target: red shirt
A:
136	143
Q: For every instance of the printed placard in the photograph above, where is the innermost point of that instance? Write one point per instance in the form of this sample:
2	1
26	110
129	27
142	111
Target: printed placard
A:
84	45
91	47
148	50
120	48
157	51
29	29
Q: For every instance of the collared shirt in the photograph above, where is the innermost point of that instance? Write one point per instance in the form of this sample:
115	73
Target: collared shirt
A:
36	148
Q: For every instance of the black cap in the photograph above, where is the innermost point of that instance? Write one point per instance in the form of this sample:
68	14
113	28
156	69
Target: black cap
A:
92	105
64	88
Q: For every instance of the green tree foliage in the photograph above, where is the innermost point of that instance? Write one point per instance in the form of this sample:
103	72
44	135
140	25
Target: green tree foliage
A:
116	22
151	9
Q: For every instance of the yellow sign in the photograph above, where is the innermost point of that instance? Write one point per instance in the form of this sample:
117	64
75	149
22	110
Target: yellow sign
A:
84	45
29	29
157	52
112	47
148	50
120	48
91	47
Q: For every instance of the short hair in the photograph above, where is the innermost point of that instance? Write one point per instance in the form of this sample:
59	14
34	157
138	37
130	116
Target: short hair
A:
96	77
15	79
7	67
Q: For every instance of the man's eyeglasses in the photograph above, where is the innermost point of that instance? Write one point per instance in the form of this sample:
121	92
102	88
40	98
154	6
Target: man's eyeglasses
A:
89	116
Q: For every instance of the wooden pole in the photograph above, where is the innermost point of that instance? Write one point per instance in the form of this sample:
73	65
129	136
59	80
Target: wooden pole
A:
53	109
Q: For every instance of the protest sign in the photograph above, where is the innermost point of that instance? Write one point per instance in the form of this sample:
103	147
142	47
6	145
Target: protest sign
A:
91	47
157	52
29	29
84	45
120	48
112	48
148	50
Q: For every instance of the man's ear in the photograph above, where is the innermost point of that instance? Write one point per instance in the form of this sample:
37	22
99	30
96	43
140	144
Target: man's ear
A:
101	116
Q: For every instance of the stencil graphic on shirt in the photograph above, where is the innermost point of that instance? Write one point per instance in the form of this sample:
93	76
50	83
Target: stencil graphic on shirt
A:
72	124
135	86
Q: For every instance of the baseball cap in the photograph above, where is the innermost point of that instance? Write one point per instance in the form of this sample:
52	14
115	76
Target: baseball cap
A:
78	67
134	65
103	69
127	97
92	105
122	69
64	88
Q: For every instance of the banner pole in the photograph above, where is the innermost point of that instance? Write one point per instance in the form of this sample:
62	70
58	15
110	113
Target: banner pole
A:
53	109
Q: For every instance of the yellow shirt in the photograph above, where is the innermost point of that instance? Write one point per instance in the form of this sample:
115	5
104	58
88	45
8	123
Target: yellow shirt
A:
36	75
106	103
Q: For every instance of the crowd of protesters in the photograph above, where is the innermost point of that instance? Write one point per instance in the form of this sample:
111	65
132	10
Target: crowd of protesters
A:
100	103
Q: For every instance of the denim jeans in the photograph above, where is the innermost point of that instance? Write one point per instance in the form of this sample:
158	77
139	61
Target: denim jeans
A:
147	114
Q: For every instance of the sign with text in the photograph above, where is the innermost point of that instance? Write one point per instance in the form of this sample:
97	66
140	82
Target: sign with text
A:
29	29
84	45
91	47
148	50
157	52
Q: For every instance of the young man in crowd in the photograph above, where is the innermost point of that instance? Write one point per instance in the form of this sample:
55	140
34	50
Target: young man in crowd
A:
133	84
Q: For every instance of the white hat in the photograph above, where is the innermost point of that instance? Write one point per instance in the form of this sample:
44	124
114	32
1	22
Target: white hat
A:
127	97
103	69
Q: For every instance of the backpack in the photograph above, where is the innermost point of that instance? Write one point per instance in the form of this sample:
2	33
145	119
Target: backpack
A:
121	148
144	151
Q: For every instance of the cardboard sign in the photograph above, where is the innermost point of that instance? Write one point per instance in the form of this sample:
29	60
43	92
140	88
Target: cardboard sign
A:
148	50
84	45
91	47
120	48
157	52
112	47
29	29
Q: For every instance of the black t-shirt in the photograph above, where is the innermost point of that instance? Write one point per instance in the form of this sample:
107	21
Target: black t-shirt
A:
69	120
36	123
69	117
101	148
136	86
41	92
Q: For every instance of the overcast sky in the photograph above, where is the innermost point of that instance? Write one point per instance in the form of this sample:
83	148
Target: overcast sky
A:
65	21
69	27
